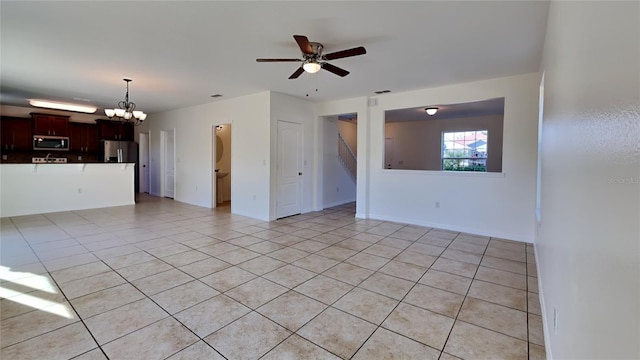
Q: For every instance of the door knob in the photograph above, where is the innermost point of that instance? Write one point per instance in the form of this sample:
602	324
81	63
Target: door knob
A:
299	173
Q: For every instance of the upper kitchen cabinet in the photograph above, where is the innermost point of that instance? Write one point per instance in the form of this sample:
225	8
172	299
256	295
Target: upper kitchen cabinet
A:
83	137
54	125
16	134
108	130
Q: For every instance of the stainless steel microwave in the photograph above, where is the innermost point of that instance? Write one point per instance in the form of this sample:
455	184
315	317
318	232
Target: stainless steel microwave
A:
52	143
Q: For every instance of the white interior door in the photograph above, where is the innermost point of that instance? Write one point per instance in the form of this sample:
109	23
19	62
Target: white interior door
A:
169	167
144	163
289	168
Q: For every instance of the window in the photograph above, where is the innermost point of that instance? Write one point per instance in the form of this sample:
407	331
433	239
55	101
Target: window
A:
465	150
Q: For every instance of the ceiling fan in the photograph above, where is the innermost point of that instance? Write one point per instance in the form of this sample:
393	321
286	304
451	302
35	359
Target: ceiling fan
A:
313	60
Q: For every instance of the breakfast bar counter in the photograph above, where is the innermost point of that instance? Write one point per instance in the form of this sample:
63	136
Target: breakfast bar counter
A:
42	188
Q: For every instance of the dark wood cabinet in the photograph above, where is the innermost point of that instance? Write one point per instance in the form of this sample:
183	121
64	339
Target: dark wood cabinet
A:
108	130
83	137
16	134
54	125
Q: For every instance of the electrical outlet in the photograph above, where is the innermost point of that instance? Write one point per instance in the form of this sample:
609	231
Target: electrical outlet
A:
79	157
556	322
437	204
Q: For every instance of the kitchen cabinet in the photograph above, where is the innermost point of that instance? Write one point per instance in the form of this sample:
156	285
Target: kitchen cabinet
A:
16	134
108	130
83	137
54	125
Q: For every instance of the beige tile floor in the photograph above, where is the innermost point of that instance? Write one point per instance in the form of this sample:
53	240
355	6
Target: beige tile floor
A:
166	280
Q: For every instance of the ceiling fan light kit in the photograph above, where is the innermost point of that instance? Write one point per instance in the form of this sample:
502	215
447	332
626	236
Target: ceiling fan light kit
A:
313	60
431	110
311	67
126	111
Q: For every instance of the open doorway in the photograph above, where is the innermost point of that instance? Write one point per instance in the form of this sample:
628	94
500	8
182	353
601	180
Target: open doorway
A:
221	182
339	160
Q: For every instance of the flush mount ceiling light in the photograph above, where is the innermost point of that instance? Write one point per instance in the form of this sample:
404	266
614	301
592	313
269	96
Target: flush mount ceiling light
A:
432	110
311	67
62	106
126	111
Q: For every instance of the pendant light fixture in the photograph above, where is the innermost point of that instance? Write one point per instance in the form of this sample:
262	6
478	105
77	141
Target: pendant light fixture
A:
432	110
126	111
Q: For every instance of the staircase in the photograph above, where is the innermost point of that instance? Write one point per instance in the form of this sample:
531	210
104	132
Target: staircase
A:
347	157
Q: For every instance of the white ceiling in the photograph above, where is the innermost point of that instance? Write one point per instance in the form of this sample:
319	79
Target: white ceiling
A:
180	53
447	111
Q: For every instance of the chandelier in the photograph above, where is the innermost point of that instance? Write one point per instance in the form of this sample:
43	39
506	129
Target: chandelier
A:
126	111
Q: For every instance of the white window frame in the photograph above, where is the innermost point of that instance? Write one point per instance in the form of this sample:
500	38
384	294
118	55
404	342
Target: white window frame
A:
483	156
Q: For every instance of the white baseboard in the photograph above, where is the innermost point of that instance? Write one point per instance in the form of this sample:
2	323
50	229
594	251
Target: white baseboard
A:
498	234
337	203
543	310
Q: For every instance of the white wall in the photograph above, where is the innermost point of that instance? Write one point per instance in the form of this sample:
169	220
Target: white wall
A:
490	204
249	116
43	188
349	132
495	204
588	246
338	185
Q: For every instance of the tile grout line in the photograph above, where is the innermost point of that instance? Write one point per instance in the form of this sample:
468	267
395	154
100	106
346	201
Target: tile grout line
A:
260	254
465	295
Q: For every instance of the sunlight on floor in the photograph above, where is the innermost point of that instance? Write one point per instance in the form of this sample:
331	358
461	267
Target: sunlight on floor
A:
36	282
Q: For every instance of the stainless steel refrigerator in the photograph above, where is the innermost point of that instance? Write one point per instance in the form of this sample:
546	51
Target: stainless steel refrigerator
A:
114	151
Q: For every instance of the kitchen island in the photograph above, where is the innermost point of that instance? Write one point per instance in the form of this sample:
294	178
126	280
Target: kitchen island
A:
43	188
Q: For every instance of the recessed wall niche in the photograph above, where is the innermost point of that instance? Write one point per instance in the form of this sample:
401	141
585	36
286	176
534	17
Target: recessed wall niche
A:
459	137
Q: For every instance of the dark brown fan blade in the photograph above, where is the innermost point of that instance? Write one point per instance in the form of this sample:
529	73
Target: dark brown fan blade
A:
297	73
303	42
334	69
277	60
345	53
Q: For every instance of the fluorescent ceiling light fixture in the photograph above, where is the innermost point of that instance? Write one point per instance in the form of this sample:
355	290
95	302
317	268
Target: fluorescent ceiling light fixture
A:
311	67
431	110
62	106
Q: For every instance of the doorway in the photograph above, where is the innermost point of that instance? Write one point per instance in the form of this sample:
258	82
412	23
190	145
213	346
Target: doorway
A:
221	181
339	159
289	169
167	139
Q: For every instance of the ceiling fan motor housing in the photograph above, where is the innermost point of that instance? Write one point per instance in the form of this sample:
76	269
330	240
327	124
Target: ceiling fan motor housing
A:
317	51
